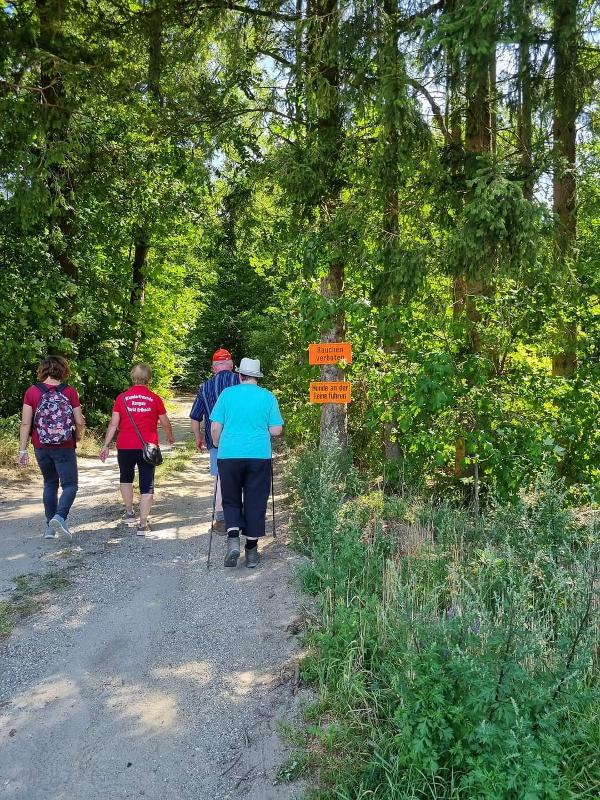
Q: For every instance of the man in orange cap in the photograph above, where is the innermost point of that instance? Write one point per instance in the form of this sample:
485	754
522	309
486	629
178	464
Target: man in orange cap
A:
209	391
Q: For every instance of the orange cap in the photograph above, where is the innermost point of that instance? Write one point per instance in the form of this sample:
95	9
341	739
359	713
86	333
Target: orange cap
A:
222	355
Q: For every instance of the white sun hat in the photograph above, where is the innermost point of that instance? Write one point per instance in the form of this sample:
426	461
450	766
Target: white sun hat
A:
250	367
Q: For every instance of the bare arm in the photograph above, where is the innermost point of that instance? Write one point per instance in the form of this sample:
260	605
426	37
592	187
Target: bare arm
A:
110	433
216	429
275	430
79	422
198	434
24	432
165	424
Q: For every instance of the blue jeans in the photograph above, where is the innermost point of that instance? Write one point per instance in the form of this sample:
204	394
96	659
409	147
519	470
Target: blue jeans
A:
58	464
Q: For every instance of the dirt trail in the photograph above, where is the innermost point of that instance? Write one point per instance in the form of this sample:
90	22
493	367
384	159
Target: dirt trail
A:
150	677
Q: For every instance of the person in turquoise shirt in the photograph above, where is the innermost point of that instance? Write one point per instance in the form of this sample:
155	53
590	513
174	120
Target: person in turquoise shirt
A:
243	420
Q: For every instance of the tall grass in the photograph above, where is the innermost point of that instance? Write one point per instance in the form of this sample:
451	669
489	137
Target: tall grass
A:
9	441
453	659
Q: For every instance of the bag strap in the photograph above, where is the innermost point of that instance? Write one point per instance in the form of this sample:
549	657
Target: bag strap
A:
131	419
44	389
207	409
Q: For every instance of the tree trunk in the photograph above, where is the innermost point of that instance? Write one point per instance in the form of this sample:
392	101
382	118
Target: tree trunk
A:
325	124
154	23
56	116
565	181
390	95
138	289
525	110
391	88
459	283
299	61
480	70
155	30
334	425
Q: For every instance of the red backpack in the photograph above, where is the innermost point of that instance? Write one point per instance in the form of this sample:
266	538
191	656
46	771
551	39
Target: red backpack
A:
54	420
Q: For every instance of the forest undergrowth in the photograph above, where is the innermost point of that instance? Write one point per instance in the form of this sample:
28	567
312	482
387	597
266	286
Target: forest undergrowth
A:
451	657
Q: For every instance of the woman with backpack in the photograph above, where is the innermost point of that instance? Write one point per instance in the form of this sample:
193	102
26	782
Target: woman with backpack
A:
137	413
52	416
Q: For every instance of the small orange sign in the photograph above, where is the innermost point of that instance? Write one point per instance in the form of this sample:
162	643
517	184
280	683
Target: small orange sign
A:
329	353
330	391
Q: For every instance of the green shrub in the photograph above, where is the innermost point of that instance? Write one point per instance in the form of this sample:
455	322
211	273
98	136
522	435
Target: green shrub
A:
9	440
465	669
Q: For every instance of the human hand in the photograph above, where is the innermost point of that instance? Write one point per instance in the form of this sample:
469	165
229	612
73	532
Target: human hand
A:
23	460
103	454
200	445
171	439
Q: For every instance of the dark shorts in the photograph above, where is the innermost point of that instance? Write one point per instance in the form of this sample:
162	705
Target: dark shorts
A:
128	461
245	487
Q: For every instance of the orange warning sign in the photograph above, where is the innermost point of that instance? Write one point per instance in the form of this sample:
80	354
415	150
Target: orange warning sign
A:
329	353
330	391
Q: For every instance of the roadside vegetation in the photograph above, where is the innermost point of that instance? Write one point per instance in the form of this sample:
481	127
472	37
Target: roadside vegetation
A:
28	596
451	657
177	460
9	441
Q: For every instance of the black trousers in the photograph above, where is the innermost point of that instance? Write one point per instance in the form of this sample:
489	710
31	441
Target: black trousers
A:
245	487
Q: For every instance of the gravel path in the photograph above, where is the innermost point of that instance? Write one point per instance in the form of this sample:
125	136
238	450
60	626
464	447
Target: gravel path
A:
150	677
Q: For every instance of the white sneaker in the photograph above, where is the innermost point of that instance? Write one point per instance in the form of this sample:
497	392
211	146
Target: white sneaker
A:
142	530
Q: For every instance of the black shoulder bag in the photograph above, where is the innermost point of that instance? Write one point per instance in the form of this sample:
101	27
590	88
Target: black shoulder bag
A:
150	452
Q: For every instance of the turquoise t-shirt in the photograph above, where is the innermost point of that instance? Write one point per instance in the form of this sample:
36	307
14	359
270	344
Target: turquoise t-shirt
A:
246	412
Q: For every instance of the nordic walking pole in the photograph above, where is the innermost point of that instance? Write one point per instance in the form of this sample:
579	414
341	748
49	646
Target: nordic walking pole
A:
273	498
212	522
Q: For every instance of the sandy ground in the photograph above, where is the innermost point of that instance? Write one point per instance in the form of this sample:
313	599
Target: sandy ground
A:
150	677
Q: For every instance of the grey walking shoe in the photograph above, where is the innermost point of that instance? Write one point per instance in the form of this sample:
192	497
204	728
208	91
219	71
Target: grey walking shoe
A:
59	526
233	551
129	518
252	558
49	534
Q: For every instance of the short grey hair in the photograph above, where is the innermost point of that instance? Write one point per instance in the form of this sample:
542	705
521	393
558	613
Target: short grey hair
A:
141	373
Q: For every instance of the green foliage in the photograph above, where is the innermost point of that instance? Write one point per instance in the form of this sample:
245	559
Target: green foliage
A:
497	230
260	153
88	178
466	667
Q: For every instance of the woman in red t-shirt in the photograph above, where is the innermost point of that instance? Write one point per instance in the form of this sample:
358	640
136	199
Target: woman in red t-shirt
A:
148	411
54	431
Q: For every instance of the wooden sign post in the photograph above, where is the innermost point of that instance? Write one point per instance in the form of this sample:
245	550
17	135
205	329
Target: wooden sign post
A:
330	353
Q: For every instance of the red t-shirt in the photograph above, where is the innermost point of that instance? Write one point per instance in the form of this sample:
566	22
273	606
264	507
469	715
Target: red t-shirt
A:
32	398
145	408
